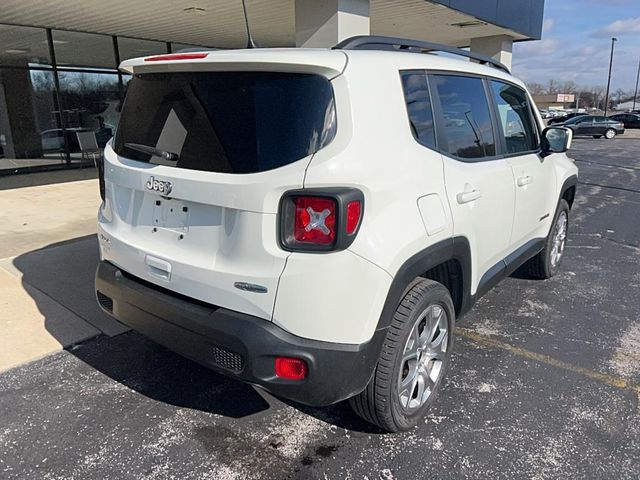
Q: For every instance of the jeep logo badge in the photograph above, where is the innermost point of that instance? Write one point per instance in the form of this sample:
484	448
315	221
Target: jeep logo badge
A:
158	186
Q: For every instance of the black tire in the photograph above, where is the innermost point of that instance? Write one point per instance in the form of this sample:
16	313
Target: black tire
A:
541	266
379	403
610	134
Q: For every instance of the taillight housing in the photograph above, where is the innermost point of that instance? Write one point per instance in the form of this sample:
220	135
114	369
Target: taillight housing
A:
320	219
100	165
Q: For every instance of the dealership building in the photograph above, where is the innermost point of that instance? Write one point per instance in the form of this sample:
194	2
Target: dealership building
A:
60	89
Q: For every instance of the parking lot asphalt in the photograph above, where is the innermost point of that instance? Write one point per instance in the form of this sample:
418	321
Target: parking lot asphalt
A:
544	384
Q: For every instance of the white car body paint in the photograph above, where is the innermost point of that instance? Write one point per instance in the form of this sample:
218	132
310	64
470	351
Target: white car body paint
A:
414	197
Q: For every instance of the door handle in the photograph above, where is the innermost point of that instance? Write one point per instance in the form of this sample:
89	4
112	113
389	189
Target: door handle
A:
522	181
466	197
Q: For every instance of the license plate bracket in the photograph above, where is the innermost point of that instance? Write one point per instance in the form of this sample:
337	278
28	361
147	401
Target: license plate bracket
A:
171	214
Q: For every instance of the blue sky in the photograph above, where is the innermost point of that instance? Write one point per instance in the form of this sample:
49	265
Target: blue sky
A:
576	43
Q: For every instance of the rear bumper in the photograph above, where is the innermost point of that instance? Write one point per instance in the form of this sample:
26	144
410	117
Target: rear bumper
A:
236	344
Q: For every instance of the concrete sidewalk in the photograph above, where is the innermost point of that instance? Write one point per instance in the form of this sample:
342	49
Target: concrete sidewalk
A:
48	255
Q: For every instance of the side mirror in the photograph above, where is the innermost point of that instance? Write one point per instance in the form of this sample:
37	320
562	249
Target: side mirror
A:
556	140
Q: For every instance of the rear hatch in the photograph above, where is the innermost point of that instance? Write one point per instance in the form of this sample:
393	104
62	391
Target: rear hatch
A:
194	175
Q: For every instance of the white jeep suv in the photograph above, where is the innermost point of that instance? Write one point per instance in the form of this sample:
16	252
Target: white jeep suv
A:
313	221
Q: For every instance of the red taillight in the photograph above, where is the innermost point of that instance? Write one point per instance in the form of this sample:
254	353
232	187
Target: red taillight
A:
315	220
353	216
291	368
320	219
176	56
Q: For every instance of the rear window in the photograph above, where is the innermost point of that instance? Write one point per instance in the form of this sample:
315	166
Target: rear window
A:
418	100
229	122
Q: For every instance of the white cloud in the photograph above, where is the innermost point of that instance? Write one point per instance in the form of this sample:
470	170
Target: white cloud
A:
538	47
620	27
589	50
548	25
611	2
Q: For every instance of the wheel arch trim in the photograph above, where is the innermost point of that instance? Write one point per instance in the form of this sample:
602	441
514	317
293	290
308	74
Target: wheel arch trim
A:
456	248
569	182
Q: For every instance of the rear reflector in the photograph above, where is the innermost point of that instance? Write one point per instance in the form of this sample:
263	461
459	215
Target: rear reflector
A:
291	368
353	216
176	56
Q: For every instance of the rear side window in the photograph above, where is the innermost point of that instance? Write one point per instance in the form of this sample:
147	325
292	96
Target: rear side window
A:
416	96
515	117
467	127
229	122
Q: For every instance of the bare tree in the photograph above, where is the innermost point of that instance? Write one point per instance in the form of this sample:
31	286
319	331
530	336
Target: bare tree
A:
622	96
598	96
568	87
536	88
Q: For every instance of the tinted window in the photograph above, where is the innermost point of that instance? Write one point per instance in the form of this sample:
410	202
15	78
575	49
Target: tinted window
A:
231	122
416	95
515	117
467	125
580	119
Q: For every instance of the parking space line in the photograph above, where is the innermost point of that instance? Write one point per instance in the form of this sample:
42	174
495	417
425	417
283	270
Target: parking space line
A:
611	380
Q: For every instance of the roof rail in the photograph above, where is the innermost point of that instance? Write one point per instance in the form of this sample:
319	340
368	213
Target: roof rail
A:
376	42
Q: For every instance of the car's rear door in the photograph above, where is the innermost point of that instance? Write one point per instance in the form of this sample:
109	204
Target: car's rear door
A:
597	126
479	183
583	126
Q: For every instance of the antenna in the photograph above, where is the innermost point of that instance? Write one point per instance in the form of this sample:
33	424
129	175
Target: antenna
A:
250	42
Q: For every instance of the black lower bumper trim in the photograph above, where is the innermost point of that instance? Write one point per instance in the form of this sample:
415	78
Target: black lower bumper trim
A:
236	344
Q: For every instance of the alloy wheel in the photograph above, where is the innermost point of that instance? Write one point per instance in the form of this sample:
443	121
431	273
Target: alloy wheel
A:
423	357
559	239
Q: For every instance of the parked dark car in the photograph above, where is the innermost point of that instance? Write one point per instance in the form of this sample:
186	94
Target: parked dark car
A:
594	126
630	120
556	120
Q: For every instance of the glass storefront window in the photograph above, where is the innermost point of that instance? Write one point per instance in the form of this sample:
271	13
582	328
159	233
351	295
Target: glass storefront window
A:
23	46
40	126
29	132
132	48
83	50
177	47
91	103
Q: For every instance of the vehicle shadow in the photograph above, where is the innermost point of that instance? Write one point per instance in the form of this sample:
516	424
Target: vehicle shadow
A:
64	272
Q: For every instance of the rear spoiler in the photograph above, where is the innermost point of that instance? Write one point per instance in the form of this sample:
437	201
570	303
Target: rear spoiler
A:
329	63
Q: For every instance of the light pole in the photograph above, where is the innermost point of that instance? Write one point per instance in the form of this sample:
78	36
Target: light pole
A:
636	92
606	97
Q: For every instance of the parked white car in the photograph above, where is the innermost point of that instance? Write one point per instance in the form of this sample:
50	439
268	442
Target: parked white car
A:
313	221
545	114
